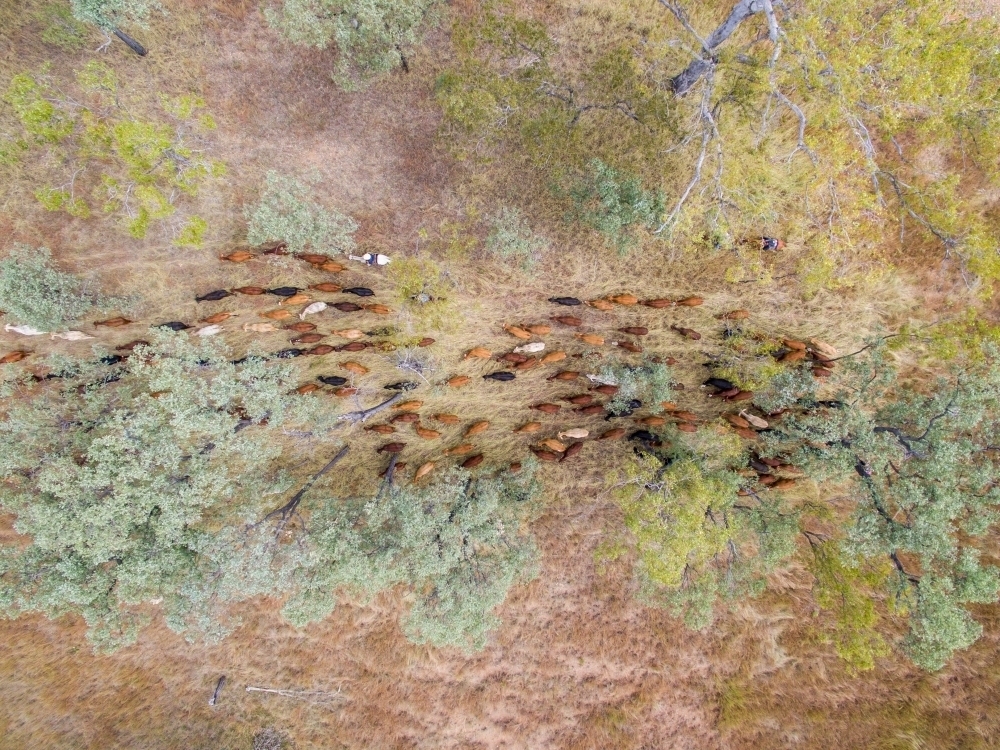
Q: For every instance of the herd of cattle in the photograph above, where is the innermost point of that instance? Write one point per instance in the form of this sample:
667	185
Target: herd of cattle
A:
588	406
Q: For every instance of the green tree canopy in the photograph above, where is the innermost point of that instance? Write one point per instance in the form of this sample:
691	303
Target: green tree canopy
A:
110	14
371	36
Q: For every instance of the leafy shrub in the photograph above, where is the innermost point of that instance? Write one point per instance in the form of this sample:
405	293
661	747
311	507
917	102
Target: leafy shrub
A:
370	35
649	382
32	291
109	14
511	238
112	162
616	205
288	211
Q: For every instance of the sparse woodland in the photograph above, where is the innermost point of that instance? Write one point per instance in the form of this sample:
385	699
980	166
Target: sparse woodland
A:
671	421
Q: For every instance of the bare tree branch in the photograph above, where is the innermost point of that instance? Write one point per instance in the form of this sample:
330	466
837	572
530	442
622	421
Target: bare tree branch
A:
360	416
288	509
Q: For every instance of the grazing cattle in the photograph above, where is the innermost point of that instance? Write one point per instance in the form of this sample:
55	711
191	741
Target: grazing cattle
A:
517	332
545	455
279	248
460	450
354	346
174	325
669	405
284	291
295	299
423	471
71	336
821	372
823	348
635	330
617	432
479	352
473	461
822	359
734	315
624	299
760	424
689	302
795	355
208	331
305	338
783	484
425	433
553	445
605	389
539	330
458	381
278	315
532	348
381	429
652	421
721	383
239	256
313	258
111	359
529	427
408	417
400	465
213	296
513	358
426	341
408	406
767	480
301	327
359	291
217	318
288	353
355	367
601	304
315	307
591	411
391	448
12	357
332	267
584	399
326	286
378	309
629	409
250	291
447	418
793	344
547	408
644	436
590	338
348	333
658	304
568	301
567	320
736	421
131	345
628	346
476	428
113	322
503	376
302	390
526	365
344	392
553	357
687	427
403	385
688	332
571	450
577	433
320	350
684	416
24	330
515	467
565	375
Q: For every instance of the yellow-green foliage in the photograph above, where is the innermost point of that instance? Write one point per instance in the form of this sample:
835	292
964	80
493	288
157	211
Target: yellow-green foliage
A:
672	528
845	587
113	162
423	290
746	359
970	336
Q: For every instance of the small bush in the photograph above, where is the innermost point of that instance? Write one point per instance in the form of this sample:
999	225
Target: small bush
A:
511	239
32	291
615	204
288	211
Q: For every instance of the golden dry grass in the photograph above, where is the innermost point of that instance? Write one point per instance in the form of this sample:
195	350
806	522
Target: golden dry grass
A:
578	662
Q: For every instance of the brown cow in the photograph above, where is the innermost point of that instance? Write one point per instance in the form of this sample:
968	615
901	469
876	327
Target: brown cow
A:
239	256
547	408
567	320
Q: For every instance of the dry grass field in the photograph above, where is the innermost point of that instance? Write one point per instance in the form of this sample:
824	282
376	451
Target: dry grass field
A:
578	662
